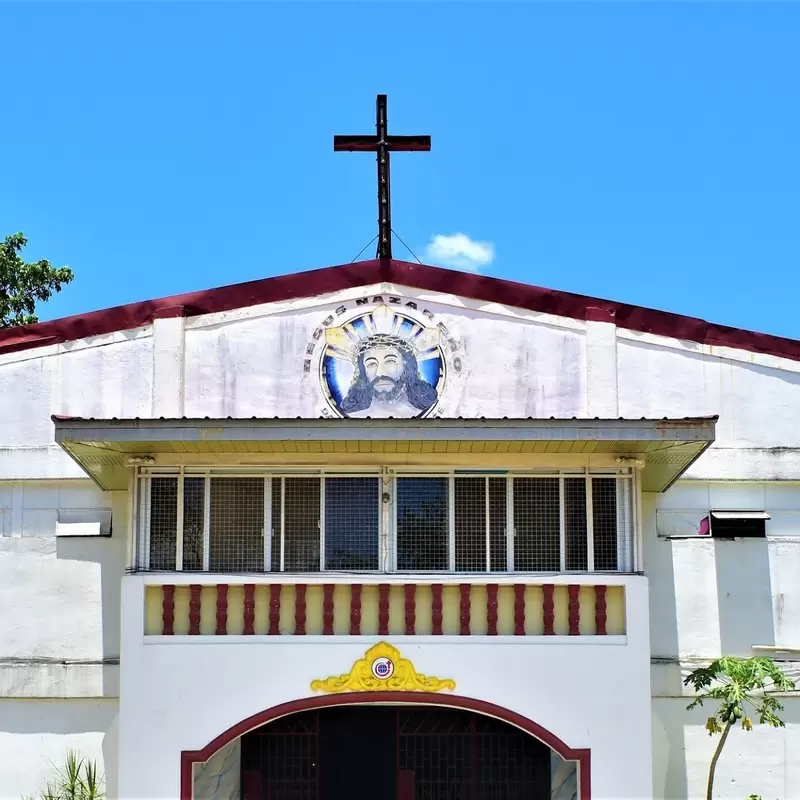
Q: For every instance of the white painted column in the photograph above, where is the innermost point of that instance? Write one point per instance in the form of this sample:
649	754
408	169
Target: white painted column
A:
601	364
168	354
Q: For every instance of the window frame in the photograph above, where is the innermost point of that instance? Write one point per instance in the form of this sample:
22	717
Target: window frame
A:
628	514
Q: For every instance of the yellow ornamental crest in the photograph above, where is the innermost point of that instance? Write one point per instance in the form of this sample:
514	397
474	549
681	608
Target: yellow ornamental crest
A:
382	670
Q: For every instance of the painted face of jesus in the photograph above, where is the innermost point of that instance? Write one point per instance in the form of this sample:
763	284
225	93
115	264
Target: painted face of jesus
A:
384	367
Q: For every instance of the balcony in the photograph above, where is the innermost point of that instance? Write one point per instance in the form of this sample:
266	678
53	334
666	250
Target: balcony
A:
557	607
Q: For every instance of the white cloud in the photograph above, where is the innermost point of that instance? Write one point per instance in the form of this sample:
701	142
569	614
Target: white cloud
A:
459	251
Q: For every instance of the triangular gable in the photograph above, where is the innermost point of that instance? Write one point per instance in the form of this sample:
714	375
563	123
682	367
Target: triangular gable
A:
417	276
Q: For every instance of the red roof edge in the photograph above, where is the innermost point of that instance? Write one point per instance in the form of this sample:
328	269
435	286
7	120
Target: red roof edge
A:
417	276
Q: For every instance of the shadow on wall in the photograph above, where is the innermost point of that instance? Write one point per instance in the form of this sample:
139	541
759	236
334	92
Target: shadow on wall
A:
36	734
744	589
755	762
667	733
110	554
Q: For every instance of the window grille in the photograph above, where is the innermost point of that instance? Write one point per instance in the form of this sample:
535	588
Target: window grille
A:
352	523
236	525
194	492
422	524
537	514
440	522
163	508
300	521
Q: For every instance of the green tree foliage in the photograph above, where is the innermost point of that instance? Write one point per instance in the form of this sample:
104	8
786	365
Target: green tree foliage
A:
76	780
23	283
741	687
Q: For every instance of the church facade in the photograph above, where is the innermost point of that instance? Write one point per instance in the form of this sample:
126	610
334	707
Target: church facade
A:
390	528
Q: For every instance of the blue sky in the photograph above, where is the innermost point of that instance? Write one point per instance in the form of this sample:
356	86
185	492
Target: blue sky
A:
644	153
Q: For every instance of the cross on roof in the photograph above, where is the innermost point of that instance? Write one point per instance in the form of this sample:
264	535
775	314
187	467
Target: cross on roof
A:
382	144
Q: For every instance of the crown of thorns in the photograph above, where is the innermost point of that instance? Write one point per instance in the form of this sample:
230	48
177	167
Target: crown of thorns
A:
384	340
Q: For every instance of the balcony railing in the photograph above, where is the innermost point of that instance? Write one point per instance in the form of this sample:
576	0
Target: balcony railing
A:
340	606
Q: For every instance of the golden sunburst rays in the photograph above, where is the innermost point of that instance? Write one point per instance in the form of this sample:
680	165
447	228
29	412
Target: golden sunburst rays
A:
342	342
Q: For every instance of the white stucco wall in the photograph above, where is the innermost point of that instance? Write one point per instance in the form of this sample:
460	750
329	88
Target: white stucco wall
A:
59	630
61	598
205	687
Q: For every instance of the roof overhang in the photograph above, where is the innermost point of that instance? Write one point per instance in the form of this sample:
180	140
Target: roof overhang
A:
107	449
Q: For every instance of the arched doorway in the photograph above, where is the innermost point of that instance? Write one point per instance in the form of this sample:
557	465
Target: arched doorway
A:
393	752
405	745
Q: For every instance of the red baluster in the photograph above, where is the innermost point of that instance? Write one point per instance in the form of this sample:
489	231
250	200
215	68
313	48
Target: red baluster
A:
167	610
600	616
355	609
327	609
411	608
491	609
465	609
222	609
249	608
548	613
574	609
194	609
519	609
300	609
383	609
437	609
274	608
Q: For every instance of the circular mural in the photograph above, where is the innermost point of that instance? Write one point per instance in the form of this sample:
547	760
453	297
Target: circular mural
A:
383	362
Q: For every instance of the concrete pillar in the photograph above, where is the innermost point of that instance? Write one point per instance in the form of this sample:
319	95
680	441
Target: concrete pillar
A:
168	355
601	364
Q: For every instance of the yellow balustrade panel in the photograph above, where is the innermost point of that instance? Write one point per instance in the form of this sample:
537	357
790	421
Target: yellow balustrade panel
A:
181	610
615	609
153	620
533	596
314	602
369	610
341	609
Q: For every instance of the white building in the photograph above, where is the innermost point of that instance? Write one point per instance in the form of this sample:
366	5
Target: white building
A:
510	520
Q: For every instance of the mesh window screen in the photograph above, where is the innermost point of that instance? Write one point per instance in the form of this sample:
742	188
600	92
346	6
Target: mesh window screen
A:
193	498
163	522
497	524
536	525
276	524
422	524
301	524
352	518
625	535
470	524
576	556
604	520
237	525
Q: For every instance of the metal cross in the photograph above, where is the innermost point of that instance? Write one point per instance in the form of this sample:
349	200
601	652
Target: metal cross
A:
382	144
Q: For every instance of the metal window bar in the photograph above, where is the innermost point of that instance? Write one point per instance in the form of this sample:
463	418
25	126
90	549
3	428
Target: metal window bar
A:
179	525
143	559
206	523
267	533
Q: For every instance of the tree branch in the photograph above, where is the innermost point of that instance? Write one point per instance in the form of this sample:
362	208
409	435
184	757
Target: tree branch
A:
717	752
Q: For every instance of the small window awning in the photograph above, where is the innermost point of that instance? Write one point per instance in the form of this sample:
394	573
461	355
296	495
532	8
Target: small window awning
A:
106	449
740	515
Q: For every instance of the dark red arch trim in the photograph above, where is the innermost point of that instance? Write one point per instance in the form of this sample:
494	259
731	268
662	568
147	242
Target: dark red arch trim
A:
581	755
